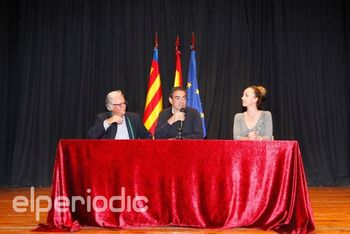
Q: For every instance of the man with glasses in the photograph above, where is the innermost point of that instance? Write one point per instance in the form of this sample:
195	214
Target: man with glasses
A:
117	123
179	121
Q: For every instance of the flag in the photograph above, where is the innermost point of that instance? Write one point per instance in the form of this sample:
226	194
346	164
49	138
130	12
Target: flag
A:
193	98
154	99
178	71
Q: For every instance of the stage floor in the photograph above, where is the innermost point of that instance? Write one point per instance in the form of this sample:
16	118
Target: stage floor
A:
331	207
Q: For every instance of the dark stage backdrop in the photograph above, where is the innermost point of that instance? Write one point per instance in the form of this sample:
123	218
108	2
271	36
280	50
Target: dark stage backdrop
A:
59	58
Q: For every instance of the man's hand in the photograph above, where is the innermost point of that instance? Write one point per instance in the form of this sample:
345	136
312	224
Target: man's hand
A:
177	116
115	119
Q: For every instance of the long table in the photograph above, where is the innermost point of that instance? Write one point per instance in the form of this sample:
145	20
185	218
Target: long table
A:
187	183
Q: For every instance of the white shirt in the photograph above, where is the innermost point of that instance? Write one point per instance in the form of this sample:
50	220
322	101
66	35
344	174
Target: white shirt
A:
122	132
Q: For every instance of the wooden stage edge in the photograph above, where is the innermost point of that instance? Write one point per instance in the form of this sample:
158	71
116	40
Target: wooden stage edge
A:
331	208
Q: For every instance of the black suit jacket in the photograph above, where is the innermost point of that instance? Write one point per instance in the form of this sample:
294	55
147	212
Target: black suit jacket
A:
192	126
134	125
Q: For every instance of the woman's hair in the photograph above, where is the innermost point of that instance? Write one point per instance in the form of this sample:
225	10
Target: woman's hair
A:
260	93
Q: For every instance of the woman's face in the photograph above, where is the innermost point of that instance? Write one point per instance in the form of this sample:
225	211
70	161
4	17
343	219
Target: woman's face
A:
248	98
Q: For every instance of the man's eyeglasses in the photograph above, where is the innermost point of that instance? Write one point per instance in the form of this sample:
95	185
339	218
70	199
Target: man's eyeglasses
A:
120	104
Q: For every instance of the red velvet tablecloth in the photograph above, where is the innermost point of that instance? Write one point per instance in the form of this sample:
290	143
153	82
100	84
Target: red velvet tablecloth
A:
189	183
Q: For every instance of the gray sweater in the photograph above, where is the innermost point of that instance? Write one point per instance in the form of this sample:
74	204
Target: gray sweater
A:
263	127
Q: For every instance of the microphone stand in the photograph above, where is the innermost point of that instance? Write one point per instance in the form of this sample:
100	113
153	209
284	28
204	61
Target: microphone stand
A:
179	132
180	127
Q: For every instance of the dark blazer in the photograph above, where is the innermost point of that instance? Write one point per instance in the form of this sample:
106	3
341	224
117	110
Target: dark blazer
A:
134	125
192	126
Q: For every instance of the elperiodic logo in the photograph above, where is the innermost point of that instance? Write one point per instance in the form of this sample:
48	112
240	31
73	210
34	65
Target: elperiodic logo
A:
64	204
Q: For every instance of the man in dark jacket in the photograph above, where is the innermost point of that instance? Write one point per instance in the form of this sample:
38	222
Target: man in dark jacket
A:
117	123
179	119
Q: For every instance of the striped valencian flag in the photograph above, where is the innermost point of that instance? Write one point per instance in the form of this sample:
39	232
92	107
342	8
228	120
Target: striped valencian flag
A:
178	71
154	99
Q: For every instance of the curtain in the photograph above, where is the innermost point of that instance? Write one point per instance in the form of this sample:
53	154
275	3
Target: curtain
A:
60	58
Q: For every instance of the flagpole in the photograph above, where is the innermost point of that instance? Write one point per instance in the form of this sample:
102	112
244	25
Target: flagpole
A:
193	42
177	43
178	70
156	46
156	40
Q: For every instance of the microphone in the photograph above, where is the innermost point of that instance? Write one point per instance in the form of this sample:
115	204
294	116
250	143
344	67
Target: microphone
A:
179	128
181	122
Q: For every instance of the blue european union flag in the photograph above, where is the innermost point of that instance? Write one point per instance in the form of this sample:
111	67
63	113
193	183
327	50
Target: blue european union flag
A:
193	98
